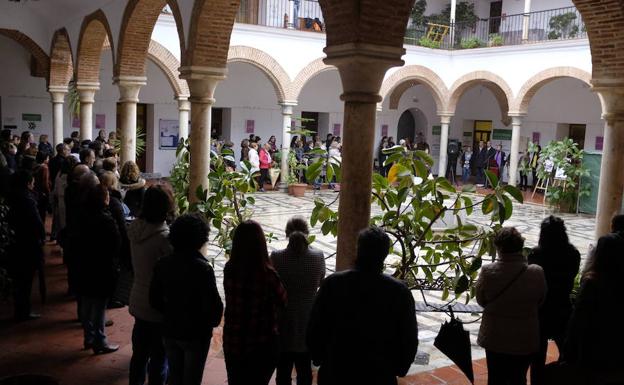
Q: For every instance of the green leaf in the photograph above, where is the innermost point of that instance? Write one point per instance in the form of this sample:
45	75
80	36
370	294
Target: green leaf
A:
462	285
425	157
469	188
514	192
489	205
492	178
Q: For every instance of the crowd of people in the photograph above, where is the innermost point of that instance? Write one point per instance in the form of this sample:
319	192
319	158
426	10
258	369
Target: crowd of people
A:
279	311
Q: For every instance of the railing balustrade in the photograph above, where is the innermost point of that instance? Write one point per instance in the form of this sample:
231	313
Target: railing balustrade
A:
432	32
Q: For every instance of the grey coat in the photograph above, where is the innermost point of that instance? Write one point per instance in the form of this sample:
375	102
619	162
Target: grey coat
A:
301	276
510	321
148	243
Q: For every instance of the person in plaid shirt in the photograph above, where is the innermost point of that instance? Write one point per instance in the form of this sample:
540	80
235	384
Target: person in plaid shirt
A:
253	296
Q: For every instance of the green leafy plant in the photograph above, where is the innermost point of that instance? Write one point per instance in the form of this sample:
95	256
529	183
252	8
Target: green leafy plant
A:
140	141
428	43
230	200
567	169
434	244
471	42
496	40
418	12
563	26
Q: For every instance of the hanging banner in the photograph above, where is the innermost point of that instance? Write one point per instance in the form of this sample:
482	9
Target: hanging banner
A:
501	134
250	126
536	137
31	121
384	130
599	143
100	121
337	129
169	134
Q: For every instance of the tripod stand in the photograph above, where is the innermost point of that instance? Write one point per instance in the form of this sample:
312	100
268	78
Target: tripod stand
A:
451	169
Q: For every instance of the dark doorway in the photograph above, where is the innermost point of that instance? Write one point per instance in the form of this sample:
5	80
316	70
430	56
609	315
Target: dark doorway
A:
309	121
407	127
216	131
496	13
577	134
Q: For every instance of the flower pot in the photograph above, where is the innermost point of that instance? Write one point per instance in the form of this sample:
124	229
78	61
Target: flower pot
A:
290	190
298	189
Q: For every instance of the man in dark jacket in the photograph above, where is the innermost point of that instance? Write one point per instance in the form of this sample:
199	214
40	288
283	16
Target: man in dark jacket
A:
350	307
26	251
481	163
184	290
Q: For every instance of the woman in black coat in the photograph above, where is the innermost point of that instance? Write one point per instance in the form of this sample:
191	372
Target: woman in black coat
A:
26	251
560	261
97	270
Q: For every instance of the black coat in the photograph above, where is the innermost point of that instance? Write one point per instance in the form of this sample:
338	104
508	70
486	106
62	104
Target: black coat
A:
481	158
115	207
344	330
100	243
23	218
184	290
560	269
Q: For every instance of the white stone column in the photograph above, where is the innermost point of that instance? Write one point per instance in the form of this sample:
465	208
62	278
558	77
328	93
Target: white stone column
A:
57	94
86	92
184	108
612	166
362	68
129	88
291	14
514	152
526	21
452	21
202	83
445	121
287	111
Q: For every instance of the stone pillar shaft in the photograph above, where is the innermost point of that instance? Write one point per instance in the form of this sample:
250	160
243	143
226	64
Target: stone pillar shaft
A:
445	121
514	152
184	108
129	88
202	83
362	68
86	92
287	111
58	99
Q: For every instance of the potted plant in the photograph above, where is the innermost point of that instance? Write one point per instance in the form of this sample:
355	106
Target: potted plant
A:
296	187
561	162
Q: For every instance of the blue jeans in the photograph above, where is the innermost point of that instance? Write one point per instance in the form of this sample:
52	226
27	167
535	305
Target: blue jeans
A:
148	354
187	360
92	315
465	174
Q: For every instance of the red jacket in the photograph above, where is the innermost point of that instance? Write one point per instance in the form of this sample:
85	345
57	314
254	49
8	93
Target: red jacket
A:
265	159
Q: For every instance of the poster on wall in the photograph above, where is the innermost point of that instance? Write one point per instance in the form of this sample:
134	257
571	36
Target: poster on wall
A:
384	130
100	121
76	121
169	134
250	126
336	131
599	143
436	131
536	137
31	121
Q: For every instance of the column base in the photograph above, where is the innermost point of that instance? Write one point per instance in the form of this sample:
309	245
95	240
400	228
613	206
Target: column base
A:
283	187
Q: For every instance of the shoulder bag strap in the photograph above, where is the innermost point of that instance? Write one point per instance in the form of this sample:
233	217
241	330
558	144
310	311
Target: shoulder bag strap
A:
500	293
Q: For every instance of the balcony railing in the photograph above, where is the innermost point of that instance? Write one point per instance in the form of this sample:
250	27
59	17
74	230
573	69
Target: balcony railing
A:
554	24
549	25
304	15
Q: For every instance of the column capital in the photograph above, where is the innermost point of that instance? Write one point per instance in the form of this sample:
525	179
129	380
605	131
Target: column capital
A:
287	109
129	87
202	82
362	68
445	118
183	103
86	91
612	100
58	93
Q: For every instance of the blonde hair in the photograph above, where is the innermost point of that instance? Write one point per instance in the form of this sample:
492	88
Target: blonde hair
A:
108	179
130	173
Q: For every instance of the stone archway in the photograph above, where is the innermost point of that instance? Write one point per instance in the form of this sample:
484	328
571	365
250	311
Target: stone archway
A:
135	39
306	74
398	83
497	85
267	65
41	60
95	33
521	103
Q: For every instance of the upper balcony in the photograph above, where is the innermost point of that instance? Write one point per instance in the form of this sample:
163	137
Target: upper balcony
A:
474	26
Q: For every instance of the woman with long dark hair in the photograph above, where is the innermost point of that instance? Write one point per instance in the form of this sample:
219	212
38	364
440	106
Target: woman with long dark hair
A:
560	261
595	336
253	295
301	269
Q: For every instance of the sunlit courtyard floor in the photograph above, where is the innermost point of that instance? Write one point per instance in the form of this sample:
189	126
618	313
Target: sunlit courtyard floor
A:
52	345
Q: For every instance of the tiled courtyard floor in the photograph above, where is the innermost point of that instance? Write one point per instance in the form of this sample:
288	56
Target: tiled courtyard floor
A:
52	345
